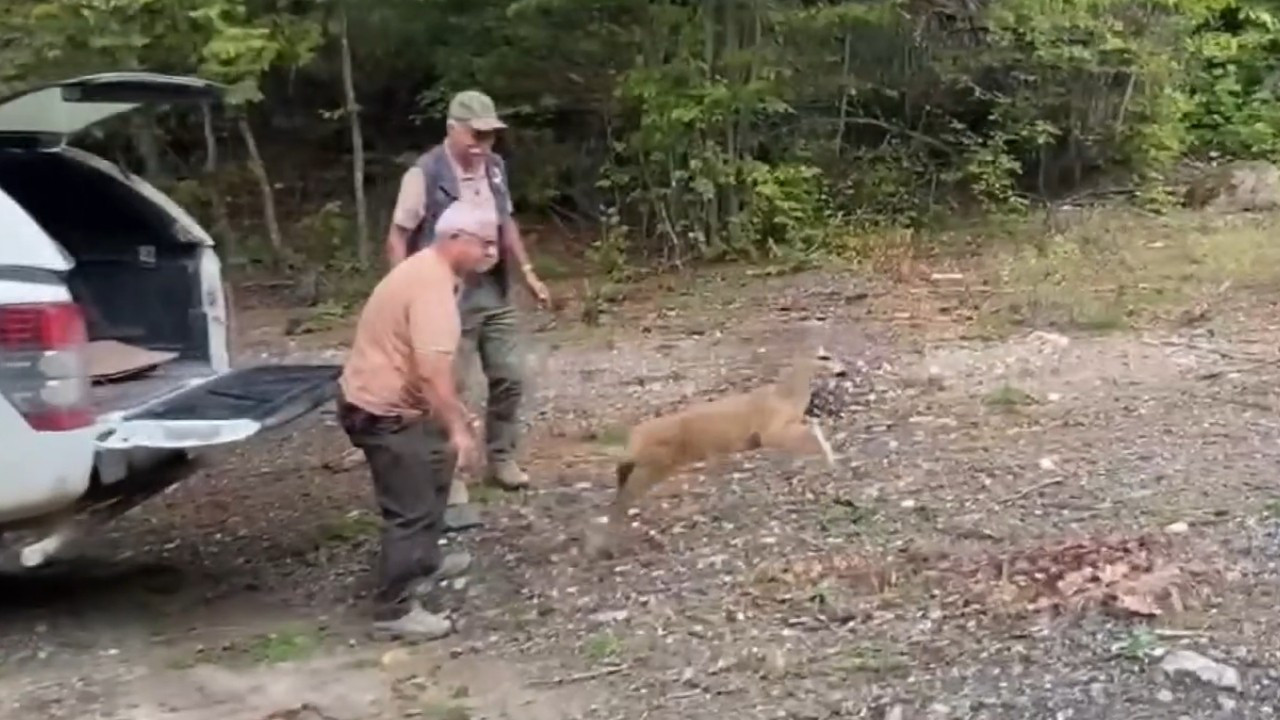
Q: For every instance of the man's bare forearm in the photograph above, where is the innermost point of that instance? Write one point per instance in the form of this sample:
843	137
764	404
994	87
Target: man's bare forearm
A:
397	247
442	396
511	236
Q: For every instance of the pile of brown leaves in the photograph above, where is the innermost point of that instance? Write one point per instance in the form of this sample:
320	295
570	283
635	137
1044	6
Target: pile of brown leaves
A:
1133	576
796	577
1126	575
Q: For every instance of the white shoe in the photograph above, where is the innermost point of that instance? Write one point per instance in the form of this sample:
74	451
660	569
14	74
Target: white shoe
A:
418	625
458	494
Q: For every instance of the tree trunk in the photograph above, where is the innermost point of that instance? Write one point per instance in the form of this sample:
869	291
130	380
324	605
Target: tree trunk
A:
712	232
844	93
259	169
732	196
357	143
217	202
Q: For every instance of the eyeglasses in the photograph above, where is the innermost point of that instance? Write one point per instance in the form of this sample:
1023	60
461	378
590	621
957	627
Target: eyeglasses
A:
467	235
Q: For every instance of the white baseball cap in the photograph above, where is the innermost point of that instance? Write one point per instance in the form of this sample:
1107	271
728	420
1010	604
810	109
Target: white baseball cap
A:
469	218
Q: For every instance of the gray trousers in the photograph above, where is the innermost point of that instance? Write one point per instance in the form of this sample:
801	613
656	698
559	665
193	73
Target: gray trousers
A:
412	467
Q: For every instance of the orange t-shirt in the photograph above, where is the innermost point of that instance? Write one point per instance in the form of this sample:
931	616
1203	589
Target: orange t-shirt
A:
412	311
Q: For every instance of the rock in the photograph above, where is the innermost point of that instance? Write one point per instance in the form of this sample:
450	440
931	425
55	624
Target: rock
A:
1227	703
1242	186
1177	528
1165	695
775	663
398	656
1051	338
1186	662
897	712
608	617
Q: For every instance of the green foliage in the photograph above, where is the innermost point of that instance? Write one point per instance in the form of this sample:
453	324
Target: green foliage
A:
754	129
1233	98
225	40
240	48
789	209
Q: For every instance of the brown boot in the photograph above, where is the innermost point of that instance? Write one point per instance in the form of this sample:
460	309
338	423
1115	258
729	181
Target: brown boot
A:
507	475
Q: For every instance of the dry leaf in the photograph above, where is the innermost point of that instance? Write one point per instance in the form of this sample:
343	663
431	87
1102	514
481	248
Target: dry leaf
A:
1073	582
1137	604
1113	573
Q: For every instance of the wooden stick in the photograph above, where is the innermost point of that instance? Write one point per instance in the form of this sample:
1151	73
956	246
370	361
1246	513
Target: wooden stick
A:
1029	490
580	677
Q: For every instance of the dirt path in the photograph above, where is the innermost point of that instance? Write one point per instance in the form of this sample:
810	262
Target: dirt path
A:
897	586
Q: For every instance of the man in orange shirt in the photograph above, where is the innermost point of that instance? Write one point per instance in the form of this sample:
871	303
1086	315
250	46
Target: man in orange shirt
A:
399	404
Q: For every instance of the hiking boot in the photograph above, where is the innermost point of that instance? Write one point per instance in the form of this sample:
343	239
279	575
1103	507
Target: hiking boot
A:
417	625
507	475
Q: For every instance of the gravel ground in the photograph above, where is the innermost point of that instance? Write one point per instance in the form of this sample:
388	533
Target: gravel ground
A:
1023	528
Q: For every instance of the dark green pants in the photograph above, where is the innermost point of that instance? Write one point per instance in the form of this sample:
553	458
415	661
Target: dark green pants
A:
491	333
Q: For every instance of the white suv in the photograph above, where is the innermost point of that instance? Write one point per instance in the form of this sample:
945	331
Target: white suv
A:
114	361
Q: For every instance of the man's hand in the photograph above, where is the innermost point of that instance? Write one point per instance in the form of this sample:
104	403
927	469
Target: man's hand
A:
466	448
536	287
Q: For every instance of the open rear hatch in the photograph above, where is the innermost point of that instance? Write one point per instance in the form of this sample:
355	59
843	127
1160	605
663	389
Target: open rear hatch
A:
221	409
226	409
58	110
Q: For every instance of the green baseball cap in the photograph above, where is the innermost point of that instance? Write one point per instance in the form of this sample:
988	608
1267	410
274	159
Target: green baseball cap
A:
476	110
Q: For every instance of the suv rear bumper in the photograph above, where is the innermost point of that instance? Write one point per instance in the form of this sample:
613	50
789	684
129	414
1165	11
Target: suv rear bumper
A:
41	471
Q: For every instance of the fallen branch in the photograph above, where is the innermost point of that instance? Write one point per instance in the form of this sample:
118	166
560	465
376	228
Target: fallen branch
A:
1029	490
1210	349
1167	633
1215	374
580	677
1240	402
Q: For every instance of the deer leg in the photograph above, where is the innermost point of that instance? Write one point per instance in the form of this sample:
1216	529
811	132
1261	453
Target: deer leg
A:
801	438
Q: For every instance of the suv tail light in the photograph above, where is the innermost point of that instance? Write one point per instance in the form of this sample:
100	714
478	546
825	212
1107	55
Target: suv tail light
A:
43	371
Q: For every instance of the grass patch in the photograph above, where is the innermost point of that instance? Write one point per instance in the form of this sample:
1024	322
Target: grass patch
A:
446	710
1009	397
287	645
485	494
602	647
872	660
350	528
1139	645
845	517
1114	269
613	435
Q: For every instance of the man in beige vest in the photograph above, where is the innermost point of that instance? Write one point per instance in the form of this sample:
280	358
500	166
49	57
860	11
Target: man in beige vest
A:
464	168
399	404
